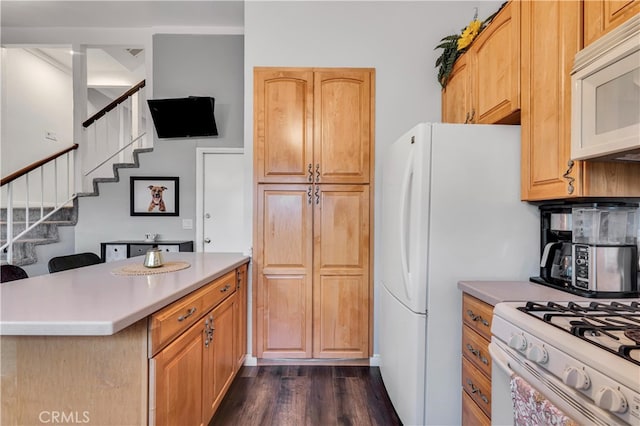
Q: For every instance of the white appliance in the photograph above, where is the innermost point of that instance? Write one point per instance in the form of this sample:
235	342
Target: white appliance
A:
583	357
450	212
605	105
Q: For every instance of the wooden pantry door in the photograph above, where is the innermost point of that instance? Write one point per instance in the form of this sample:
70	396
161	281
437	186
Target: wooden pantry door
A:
341	289
283	260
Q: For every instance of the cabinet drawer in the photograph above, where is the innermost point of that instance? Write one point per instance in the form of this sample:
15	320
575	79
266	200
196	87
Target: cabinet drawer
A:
476	349
139	249
219	290
169	248
477	315
169	322
477	386
115	252
471	413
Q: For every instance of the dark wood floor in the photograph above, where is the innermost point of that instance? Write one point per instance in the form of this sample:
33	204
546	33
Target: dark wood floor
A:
306	395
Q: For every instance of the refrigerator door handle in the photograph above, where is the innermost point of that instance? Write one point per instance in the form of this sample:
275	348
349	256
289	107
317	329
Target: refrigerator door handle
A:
405	227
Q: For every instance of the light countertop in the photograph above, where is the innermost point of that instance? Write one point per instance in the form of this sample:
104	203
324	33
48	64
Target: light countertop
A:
494	292
92	301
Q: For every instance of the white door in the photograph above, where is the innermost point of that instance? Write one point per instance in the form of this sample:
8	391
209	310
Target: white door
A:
222	214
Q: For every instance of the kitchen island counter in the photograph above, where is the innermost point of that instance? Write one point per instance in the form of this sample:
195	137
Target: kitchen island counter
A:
94	301
91	345
494	292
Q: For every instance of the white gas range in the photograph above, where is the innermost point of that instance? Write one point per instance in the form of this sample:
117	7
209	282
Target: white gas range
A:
583	357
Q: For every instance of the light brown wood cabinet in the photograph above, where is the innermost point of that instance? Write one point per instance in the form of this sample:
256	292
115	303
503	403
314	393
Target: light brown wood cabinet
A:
313	125
476	361
602	16
457	105
313	138
241	315
485	83
192	371
551	36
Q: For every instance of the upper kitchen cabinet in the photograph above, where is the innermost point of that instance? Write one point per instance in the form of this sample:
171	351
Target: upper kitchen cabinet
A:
497	69
484	86
313	125
456	97
601	16
551	35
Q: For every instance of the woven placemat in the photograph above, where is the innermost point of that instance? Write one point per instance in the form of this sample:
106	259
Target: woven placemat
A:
140	269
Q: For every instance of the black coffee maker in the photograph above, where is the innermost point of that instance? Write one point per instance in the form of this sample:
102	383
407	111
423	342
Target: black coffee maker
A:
556	265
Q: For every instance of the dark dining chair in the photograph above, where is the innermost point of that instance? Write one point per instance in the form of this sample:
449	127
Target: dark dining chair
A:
12	273
72	261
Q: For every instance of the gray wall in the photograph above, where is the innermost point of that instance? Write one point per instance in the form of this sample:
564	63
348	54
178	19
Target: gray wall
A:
183	65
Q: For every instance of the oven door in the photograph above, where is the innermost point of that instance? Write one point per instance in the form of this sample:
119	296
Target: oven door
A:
510	367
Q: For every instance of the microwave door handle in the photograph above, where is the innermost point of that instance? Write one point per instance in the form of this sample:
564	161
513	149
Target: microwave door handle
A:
405	231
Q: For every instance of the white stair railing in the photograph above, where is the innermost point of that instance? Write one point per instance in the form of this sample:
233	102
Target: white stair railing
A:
47	184
112	135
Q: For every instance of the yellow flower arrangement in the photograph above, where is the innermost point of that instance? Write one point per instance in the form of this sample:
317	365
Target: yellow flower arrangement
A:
455	45
469	34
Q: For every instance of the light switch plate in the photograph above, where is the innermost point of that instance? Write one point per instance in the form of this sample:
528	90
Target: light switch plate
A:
187	224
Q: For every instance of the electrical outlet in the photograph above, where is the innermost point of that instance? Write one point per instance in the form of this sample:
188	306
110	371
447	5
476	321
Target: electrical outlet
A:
187	224
50	136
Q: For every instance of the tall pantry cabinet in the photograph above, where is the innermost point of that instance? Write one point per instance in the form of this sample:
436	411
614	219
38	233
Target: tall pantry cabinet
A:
313	173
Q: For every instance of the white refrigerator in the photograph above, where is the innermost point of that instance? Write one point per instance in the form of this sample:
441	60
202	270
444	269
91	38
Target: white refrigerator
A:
451	211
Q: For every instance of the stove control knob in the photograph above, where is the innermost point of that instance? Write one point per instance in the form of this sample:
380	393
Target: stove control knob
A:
537	354
518	342
576	378
611	399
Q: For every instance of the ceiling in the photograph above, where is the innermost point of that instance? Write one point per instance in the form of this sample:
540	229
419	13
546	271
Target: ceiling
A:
115	66
121	14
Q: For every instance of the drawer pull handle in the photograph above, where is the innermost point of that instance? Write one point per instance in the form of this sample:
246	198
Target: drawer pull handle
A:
478	355
225	288
208	331
475	389
190	312
475	317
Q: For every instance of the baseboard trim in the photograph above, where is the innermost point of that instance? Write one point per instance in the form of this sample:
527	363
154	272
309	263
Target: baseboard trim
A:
313	361
374	361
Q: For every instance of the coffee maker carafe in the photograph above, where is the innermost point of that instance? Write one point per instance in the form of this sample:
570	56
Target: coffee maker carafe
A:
556	264
605	251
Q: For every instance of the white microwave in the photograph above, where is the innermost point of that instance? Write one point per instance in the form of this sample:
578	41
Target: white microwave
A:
605	97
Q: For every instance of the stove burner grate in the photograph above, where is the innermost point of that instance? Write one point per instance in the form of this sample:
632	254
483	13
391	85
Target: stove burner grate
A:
612	326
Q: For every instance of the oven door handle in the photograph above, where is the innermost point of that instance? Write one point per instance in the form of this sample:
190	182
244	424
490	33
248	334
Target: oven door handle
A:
497	358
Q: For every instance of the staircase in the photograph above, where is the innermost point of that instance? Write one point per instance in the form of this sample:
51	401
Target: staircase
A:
24	249
31	208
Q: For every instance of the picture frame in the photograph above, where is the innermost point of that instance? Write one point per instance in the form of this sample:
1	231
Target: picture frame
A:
154	196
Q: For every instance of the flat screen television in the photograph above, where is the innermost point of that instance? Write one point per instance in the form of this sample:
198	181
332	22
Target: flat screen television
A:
184	117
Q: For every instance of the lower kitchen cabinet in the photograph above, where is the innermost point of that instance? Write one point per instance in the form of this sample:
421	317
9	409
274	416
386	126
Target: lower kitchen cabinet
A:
241	315
178	380
476	361
194	346
219	355
312	271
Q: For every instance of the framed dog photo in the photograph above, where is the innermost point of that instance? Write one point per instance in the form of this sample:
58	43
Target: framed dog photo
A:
154	196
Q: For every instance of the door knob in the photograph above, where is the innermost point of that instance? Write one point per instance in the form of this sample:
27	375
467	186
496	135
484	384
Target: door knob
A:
207	240
207	216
